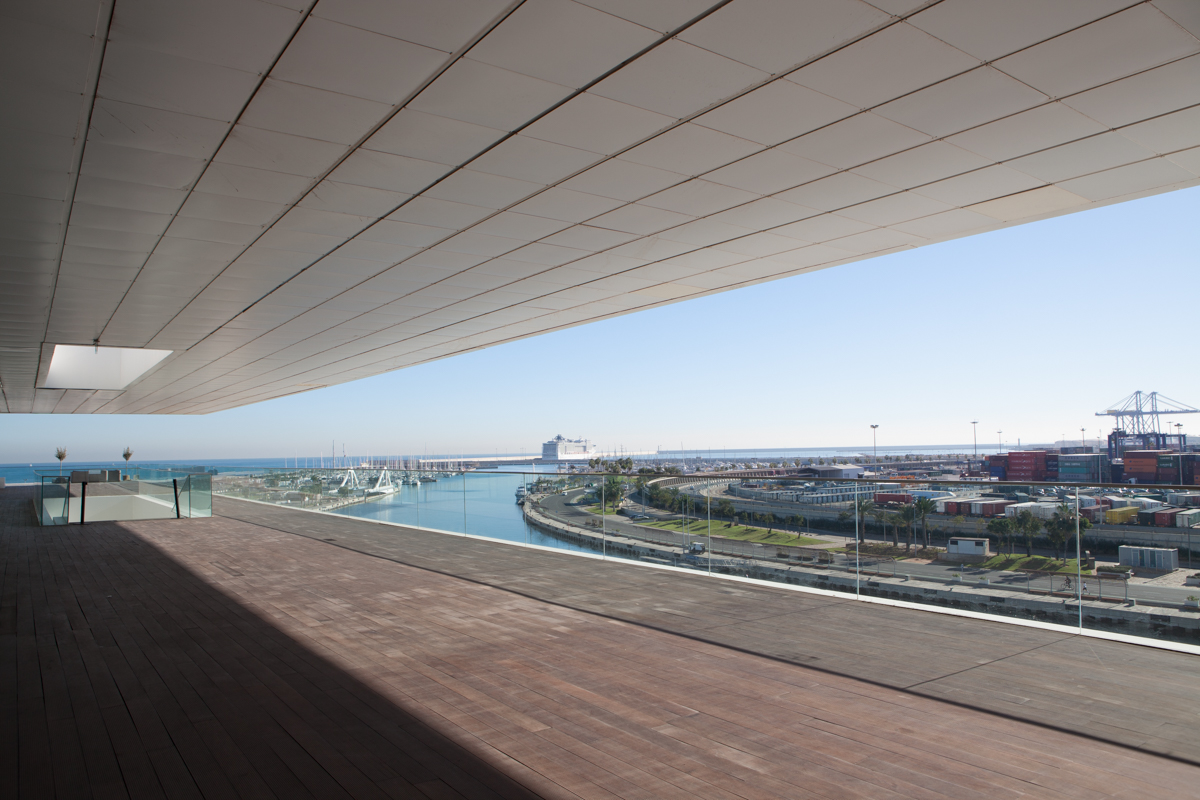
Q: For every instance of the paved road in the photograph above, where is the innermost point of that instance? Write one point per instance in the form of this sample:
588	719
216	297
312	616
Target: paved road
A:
561	506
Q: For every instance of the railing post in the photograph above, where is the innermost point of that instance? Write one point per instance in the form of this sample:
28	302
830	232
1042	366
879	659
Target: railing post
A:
82	499
175	486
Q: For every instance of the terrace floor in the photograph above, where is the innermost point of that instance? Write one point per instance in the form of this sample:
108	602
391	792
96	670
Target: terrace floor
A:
272	652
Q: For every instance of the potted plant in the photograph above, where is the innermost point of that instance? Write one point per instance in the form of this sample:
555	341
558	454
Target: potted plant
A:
956	577
1192	601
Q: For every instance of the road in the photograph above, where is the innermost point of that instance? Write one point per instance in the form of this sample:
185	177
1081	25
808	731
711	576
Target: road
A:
562	507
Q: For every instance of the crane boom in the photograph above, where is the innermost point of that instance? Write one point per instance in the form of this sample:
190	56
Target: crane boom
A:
1142	410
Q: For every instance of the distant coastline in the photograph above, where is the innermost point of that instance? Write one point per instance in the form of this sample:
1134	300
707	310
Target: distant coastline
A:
25	472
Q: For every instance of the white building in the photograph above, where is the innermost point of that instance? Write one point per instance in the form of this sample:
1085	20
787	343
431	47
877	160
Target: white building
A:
561	449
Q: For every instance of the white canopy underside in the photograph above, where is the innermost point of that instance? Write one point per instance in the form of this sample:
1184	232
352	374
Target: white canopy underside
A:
288	195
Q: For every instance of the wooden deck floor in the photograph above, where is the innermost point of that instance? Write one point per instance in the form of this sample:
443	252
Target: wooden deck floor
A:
244	656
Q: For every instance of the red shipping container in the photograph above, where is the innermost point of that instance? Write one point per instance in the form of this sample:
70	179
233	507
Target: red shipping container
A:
892	497
991	509
1166	517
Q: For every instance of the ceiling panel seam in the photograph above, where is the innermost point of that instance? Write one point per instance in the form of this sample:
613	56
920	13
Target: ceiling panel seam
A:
350	149
454	58
698	293
104	16
510	134
767	230
680	122
751	234
261	80
894	20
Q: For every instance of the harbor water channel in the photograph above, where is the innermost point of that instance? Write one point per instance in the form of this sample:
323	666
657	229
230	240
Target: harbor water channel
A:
481	503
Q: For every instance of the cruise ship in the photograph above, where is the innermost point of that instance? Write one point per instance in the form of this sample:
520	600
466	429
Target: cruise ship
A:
562	449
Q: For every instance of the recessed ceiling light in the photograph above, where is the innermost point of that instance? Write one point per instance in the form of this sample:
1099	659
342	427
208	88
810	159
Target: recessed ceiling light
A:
86	367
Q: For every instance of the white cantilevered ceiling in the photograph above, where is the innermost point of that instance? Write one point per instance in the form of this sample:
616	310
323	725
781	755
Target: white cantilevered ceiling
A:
291	194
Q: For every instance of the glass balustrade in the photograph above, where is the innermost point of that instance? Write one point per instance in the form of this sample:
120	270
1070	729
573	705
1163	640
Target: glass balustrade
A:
106	494
999	548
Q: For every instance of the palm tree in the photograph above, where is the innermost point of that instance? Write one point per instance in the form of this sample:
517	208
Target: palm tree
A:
1062	525
880	515
1059	527
1028	526
128	454
61	454
1085	524
864	506
894	520
924	507
908	515
613	491
1001	528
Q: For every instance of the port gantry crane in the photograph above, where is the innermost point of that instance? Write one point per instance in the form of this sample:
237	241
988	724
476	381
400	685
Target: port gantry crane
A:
1142	410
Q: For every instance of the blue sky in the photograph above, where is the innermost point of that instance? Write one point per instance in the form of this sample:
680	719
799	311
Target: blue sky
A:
1030	330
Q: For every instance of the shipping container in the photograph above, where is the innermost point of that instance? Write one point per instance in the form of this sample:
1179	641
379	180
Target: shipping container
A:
952	507
1165	517
1122	515
882	498
1188	518
994	508
1040	510
1017	508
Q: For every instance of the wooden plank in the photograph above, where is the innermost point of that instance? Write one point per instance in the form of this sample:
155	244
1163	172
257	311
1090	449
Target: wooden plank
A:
244	656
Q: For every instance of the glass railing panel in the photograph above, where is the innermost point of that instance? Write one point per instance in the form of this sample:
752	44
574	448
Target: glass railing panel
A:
199	495
1145	572
568	511
54	500
974	545
183	496
124	501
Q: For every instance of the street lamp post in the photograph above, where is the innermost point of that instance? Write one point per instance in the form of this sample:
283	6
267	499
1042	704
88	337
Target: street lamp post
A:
975	437
874	445
1179	440
999	440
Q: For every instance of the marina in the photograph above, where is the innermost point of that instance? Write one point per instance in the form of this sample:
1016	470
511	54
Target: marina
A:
473	503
